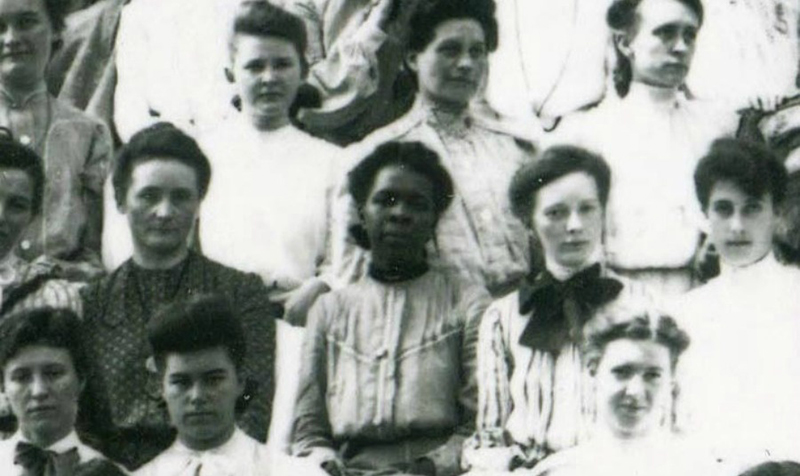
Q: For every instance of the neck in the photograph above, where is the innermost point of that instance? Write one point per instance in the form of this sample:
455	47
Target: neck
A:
267	123
655	93
563	273
44	439
209	444
149	259
20	92
397	268
728	268
445	111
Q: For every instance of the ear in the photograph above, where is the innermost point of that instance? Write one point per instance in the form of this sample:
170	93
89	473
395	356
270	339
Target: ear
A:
229	75
622	41
411	60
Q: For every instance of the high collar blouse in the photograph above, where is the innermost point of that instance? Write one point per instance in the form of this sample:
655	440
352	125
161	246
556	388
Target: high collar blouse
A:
268	206
739	375
652	139
531	402
477	237
374	351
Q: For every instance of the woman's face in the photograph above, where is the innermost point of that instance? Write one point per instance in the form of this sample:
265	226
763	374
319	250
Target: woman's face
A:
42	386
26	42
740	226
633	387
399	215
661	47
450	69
568	219
16	207
267	72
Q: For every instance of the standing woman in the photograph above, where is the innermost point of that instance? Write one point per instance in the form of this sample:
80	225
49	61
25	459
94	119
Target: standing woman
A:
388	380
267	207
75	148
532	399
478	236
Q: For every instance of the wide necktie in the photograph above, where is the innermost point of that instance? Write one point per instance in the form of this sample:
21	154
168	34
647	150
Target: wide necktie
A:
561	308
36	461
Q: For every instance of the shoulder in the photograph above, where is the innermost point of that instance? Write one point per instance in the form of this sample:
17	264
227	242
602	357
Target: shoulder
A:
569	462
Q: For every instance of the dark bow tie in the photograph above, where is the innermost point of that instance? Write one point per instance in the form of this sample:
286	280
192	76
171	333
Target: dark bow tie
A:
38	462
561	308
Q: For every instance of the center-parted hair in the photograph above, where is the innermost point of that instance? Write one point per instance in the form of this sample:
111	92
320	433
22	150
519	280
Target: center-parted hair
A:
201	322
552	164
751	166
411	156
14	155
159	141
432	13
45	326
633	319
622	17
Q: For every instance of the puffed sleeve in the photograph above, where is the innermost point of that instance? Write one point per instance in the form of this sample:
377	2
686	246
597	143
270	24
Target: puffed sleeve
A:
312	435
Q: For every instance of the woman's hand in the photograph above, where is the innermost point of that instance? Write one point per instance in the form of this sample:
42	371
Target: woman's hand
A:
301	299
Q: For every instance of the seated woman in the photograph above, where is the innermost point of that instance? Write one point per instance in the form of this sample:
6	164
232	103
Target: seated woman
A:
23	284
44	370
74	147
747	315
478	237
531	400
263	164
404	334
630	354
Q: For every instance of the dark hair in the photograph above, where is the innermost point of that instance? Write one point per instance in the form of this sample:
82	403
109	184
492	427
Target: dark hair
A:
200	322
45	326
57	13
635	321
262	19
159	141
554	163
412	156
774	468
750	166
430	14
621	17
14	155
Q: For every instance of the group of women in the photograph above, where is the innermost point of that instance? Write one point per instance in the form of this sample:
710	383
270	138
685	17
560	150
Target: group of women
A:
389	252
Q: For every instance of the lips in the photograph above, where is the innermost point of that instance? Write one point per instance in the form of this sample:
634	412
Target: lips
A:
41	411
200	416
738	243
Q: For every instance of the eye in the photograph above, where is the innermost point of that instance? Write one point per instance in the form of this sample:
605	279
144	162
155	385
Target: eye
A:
27	22
478	51
384	199
283	63
19	205
20	376
254	66
723	209
752	208
557	213
689	36
179	382
652	375
149	195
666	32
450	50
622	373
588	207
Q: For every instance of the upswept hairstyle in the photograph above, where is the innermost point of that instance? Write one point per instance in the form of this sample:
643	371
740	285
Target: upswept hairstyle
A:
554	163
14	155
201	322
159	141
752	167
45	326
262	19
430	14
622	18
57	11
635	321
412	156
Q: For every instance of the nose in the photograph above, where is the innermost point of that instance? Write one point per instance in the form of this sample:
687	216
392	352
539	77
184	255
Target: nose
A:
197	392
635	386
680	45
400	211
269	74
574	222
39	386
10	35
465	61
164	209
736	222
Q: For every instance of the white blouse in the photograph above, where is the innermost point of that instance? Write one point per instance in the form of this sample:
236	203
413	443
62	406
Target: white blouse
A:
267	208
